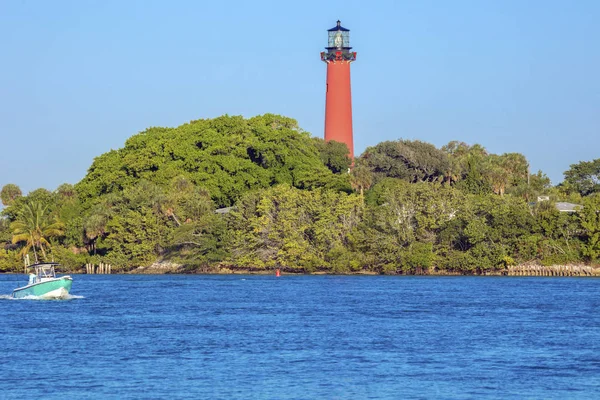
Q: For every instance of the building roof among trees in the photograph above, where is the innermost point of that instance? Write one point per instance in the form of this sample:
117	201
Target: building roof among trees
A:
568	207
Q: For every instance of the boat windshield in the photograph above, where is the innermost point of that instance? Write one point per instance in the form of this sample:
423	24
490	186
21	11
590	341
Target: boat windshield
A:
45	271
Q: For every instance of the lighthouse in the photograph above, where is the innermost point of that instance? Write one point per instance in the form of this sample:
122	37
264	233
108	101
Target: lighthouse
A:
338	98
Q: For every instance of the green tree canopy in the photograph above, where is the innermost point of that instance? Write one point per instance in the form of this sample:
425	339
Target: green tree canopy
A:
9	193
590	222
297	230
334	155
584	177
34	226
227	156
414	161
417	209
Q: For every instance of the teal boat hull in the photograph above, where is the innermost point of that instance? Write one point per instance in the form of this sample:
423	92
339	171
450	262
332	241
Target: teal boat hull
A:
51	289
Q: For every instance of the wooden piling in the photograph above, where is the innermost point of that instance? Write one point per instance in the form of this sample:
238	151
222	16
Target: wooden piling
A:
552	270
102	268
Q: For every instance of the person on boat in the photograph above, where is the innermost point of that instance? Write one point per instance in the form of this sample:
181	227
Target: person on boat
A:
31	278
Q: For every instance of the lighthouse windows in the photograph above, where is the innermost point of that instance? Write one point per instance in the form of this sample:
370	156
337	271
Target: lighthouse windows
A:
338	40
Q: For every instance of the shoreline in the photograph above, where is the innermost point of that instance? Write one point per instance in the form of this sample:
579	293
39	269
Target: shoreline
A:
519	270
530	269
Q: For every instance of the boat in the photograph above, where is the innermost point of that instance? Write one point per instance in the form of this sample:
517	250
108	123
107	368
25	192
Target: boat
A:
44	283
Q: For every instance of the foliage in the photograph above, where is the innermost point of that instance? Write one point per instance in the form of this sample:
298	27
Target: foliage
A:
584	177
557	241
404	207
508	169
5	234
9	193
10	261
418	257
465	166
361	178
334	155
413	161
34	227
590	222
295	230
227	156
70	261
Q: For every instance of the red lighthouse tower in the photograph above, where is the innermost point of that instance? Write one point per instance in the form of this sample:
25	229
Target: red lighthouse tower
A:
338	99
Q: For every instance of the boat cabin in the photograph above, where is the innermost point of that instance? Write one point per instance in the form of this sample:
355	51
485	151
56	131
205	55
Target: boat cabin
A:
43	272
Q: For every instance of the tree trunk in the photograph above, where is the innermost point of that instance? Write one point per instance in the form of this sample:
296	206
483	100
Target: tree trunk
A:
34	252
43	251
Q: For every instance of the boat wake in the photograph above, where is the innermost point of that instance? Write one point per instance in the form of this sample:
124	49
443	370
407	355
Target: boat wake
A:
67	297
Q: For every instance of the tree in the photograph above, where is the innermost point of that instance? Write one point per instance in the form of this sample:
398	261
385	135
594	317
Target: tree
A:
556	235
506	170
473	160
200	242
334	155
9	193
590	222
95	227
517	166
536	185
457	160
34	226
283	227
412	212
413	161
584	177
361	179
497	174
227	156
66	191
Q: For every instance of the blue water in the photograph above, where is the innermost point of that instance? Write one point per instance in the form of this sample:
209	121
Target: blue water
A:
304	337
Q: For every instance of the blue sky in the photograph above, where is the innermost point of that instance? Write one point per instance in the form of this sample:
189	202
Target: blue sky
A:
77	78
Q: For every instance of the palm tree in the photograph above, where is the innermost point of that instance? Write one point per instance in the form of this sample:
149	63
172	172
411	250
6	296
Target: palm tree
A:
496	174
458	152
34	226
517	166
361	178
94	227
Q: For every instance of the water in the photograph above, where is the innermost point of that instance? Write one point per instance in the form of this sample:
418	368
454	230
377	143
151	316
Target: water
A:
303	337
